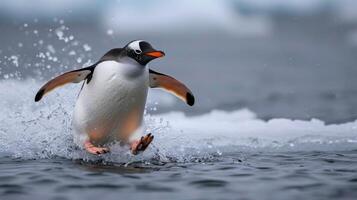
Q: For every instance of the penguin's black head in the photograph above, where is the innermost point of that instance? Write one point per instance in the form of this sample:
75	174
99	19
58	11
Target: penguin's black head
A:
142	52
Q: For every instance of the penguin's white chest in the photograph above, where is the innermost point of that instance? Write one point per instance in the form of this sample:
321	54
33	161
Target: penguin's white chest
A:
111	106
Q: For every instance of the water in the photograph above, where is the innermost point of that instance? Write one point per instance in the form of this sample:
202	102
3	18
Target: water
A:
275	116
294	175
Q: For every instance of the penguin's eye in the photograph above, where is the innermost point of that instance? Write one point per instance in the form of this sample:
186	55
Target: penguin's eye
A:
137	51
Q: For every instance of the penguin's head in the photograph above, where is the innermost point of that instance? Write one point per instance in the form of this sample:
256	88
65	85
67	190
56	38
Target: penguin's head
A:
142	51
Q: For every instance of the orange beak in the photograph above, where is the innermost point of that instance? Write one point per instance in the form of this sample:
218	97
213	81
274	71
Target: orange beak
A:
155	54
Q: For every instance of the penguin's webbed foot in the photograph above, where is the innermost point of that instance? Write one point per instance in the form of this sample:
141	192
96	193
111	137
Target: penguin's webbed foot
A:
90	148
140	145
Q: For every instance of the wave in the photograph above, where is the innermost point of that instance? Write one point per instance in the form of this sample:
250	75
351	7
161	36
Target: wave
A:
182	16
236	17
43	130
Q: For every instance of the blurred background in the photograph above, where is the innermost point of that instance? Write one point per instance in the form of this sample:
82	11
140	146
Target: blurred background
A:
279	58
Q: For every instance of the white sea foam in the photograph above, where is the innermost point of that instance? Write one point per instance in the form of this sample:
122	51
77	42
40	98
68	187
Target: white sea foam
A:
43	130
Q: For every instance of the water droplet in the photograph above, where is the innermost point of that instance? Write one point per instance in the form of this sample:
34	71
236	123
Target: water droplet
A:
86	47
110	32
72	53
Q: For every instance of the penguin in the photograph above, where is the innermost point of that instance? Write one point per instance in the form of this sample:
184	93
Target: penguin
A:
110	105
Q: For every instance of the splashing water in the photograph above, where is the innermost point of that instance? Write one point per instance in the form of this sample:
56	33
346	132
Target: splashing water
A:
41	51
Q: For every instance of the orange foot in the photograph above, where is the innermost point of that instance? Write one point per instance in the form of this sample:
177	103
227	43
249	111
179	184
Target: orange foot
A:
95	150
142	144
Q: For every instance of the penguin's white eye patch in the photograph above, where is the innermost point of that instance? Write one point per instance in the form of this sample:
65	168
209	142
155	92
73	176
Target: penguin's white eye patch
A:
137	51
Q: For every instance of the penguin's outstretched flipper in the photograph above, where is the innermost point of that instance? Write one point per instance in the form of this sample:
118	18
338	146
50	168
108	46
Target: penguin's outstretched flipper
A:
75	76
159	80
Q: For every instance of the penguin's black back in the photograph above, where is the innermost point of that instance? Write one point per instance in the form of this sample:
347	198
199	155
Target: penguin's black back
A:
113	54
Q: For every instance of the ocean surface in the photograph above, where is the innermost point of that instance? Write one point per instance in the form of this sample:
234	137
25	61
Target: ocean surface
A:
275	116
239	175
